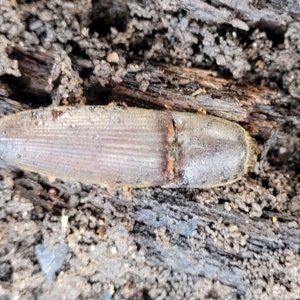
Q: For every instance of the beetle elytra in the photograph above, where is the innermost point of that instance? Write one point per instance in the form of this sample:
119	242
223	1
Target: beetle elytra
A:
127	146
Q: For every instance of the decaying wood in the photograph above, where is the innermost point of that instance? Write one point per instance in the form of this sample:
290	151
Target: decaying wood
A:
158	86
7	104
37	69
197	90
169	227
33	87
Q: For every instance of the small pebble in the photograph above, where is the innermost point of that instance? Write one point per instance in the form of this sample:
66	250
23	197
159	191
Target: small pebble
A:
113	57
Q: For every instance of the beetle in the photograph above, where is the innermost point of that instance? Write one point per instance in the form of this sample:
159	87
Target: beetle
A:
127	146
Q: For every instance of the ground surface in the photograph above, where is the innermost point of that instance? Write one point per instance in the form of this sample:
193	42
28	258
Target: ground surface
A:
241	241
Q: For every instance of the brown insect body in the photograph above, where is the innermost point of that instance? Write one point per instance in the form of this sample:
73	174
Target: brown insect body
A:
127	146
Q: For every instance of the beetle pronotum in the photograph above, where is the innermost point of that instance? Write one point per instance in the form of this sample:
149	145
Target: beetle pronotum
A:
127	146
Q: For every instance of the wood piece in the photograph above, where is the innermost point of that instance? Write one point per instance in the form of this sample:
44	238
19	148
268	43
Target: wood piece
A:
37	69
165	87
197	90
7	105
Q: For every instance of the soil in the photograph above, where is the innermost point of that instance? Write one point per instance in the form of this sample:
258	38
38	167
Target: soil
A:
62	240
